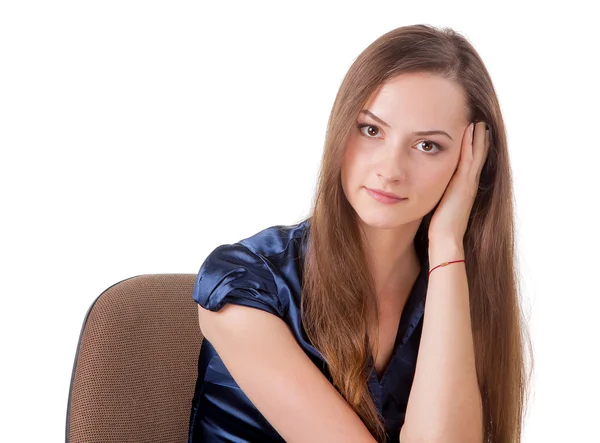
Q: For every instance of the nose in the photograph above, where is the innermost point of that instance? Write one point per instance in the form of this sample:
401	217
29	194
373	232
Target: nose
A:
394	163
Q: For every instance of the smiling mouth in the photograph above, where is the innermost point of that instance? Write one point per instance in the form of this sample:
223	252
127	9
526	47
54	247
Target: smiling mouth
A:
383	198
387	194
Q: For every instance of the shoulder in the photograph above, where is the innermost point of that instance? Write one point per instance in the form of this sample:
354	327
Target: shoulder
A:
250	271
276	240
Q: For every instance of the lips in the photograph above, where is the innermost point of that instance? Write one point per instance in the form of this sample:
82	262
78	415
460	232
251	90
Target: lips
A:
387	194
384	198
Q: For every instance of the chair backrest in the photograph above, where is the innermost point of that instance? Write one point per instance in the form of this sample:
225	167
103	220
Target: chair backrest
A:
136	363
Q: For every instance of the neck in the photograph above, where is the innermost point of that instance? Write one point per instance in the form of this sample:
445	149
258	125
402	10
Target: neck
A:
393	259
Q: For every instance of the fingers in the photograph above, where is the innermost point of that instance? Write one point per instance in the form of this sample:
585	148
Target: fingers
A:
465	157
478	141
480	147
474	150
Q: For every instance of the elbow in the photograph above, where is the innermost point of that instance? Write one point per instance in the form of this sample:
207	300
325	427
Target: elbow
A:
409	435
464	425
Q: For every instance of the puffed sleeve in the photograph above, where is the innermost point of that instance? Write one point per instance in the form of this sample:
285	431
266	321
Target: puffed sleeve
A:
235	274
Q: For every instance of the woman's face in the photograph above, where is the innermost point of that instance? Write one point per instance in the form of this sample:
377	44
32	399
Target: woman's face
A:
394	159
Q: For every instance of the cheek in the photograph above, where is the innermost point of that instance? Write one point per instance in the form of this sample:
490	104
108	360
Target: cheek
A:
350	162
436	180
346	170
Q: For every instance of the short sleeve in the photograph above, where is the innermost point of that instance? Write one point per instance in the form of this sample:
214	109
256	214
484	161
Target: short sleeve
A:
235	274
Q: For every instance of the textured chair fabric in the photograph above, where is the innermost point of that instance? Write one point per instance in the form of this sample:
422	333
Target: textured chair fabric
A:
136	363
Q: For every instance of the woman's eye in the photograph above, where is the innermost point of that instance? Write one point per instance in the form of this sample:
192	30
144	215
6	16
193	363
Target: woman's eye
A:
430	145
370	130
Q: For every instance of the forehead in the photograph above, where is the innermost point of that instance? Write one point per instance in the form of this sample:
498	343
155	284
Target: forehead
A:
419	99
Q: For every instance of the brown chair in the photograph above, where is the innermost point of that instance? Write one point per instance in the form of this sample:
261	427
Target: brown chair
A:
136	363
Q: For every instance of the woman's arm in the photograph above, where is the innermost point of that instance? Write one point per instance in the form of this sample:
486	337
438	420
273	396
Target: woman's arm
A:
445	403
267	363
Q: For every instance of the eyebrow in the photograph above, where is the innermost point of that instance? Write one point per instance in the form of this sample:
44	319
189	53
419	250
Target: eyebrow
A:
434	132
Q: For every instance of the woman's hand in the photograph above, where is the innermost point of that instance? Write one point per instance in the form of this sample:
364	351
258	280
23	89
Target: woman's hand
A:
449	222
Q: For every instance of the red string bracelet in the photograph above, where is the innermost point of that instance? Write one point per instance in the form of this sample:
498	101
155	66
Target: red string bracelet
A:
446	263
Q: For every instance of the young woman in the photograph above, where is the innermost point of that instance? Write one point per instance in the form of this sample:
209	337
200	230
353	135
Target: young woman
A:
392	312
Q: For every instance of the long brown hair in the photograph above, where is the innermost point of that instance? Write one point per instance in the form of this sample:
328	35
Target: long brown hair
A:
339	303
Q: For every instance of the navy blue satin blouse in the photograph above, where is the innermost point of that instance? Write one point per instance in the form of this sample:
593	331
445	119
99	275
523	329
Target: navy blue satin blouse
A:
264	271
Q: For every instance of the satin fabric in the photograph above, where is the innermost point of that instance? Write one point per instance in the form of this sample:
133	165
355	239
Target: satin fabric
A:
264	272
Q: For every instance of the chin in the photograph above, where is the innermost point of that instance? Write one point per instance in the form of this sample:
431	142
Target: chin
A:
382	219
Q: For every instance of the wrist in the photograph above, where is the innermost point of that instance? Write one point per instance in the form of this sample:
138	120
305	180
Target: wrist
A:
445	250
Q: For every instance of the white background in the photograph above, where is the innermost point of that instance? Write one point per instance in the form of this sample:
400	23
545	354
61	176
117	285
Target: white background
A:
136	136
